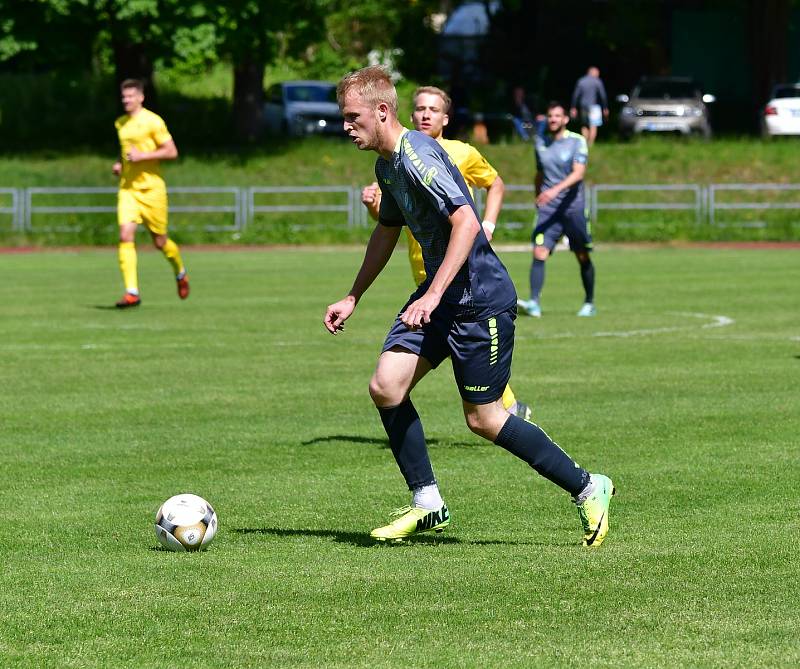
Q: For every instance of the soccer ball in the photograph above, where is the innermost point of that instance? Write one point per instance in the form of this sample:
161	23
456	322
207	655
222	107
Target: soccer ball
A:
185	523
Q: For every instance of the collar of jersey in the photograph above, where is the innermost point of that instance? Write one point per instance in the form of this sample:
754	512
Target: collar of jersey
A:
400	139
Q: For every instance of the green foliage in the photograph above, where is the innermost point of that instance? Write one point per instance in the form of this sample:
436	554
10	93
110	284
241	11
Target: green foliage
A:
239	395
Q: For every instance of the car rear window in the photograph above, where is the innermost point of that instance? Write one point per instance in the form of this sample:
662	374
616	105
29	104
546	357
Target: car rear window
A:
311	93
666	90
786	92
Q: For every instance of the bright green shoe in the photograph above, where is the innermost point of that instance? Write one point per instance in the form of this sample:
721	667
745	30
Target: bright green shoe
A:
410	521
594	511
530	308
588	309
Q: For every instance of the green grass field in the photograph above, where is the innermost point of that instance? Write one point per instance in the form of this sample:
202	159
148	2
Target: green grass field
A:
684	389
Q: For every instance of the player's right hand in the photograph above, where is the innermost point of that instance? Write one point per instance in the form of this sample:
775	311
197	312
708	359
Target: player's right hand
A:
368	193
116	168
338	313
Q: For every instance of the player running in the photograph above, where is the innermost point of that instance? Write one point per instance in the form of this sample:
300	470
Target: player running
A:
144	142
464	310
561	158
430	115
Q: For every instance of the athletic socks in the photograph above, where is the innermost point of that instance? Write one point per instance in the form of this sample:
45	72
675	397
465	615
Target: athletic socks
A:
407	441
531	444
127	265
537	278
587	276
173	255
427	497
586	493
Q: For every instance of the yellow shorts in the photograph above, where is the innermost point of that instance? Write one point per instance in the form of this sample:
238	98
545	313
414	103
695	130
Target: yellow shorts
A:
143	206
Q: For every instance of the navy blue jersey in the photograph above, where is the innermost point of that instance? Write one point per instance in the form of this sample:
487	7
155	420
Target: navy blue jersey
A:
421	188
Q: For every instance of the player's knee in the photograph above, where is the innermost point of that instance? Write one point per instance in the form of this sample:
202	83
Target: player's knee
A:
541	253
384	394
479	424
583	257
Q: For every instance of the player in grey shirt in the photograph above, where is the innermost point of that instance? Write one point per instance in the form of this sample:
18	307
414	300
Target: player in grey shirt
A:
590	99
561	159
463	311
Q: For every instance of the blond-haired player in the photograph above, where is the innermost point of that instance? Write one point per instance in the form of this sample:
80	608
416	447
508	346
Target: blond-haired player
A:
430	115
144	142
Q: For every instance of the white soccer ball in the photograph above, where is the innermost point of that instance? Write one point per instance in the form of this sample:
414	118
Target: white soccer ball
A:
185	523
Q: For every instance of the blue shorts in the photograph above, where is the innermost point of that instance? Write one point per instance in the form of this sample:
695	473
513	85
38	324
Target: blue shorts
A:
564	219
480	351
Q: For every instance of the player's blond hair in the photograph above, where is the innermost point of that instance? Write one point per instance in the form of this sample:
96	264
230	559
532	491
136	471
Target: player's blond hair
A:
434	90
372	84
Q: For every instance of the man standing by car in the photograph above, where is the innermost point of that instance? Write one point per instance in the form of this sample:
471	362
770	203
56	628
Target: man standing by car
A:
590	99
561	158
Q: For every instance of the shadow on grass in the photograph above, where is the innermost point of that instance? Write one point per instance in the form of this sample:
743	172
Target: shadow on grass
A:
381	442
362	539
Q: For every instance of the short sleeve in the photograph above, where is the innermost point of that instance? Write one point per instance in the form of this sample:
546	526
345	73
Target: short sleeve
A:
160	133
427	168
477	169
537	144
389	213
581	151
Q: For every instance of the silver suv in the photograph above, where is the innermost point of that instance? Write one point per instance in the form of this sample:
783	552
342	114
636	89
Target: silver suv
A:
665	104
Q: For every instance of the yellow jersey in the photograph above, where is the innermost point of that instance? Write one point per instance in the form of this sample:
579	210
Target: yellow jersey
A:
477	172
475	169
144	131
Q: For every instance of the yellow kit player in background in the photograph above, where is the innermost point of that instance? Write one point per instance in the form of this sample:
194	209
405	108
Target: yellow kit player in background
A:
144	141
430	115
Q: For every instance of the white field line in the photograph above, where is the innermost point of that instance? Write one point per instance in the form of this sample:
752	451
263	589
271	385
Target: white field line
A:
715	321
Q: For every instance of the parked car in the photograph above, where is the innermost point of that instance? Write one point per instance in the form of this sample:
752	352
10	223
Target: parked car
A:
782	112
665	104
299	108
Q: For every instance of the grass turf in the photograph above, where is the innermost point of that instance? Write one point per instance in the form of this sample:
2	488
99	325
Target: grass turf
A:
239	395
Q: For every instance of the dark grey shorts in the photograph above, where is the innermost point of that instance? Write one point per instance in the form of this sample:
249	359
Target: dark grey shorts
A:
480	351
567	219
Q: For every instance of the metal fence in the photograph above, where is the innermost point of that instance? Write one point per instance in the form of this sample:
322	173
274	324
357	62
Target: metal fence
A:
72	195
715	205
246	206
657	203
16	209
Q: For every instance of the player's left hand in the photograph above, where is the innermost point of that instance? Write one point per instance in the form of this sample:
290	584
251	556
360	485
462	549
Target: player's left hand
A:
546	196
419	312
134	155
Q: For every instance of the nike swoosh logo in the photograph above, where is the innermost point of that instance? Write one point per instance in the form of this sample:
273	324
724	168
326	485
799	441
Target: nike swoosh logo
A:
590	541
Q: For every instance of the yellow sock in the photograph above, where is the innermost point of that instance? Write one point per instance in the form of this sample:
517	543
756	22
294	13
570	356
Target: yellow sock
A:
508	398
173	255
127	265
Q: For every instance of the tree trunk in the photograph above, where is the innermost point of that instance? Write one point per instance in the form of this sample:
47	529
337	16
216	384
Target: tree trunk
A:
131	61
248	99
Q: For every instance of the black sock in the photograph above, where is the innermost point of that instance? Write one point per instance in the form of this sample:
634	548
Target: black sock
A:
587	276
530	443
537	278
407	440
